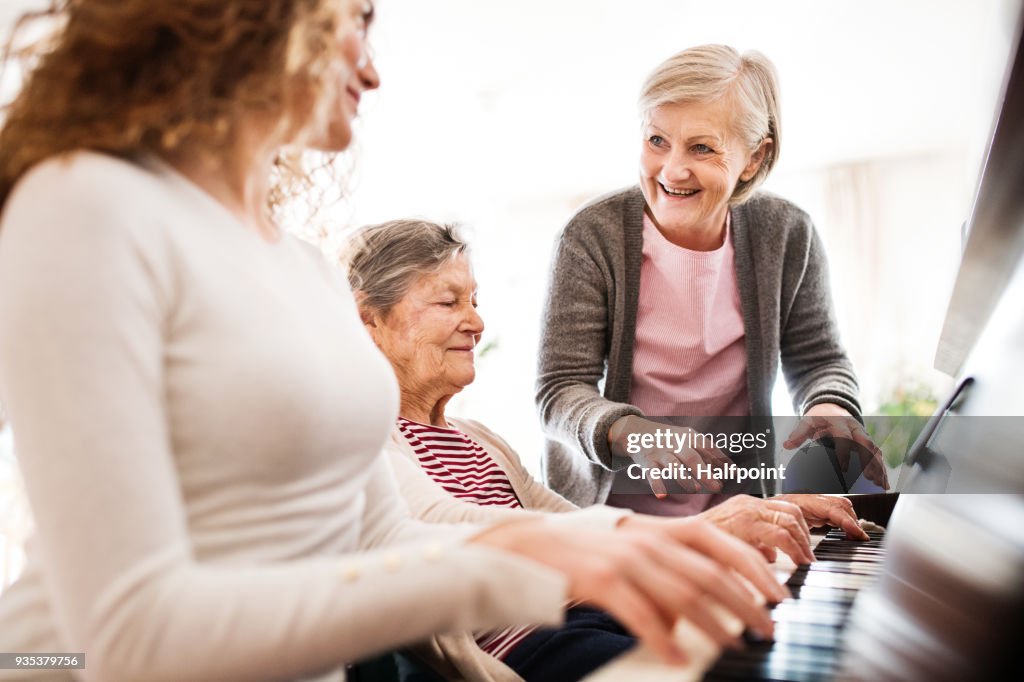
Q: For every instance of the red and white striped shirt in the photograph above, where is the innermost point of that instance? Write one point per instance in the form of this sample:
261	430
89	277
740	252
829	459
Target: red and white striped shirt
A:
466	471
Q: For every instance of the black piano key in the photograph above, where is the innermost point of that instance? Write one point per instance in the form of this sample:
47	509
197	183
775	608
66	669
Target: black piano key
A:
833	595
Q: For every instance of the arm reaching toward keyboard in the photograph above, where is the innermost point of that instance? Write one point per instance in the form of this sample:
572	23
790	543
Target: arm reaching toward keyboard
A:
648	578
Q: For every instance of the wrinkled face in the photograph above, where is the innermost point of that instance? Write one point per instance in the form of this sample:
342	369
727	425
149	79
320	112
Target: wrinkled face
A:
430	335
355	73
690	162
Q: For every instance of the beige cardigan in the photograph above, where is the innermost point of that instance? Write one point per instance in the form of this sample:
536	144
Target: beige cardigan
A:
457	656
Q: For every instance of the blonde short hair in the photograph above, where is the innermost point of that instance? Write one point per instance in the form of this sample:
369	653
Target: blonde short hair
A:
709	72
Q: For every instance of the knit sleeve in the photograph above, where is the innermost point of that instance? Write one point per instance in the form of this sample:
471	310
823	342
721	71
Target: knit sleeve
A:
816	368
575	337
83	308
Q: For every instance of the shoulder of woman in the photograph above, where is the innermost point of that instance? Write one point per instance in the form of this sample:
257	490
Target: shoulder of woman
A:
95	191
92	203
490	440
396	437
82	175
478	431
773	212
771	222
472	428
603	212
397	447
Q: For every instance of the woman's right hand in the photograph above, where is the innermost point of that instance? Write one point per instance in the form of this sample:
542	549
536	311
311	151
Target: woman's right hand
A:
766	524
633	428
648	578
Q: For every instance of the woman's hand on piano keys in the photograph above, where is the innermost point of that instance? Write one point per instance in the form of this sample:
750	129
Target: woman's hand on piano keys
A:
765	524
705	535
649	573
828	510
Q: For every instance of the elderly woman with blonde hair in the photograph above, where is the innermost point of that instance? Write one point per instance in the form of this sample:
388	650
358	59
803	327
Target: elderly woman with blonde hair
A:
417	296
680	296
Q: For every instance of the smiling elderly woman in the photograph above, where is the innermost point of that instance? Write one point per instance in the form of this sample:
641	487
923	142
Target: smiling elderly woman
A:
679	297
417	297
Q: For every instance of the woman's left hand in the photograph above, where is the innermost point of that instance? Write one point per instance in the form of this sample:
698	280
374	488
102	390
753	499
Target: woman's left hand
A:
827	510
766	525
831	420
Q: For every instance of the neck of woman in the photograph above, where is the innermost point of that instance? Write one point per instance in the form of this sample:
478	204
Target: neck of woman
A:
424	409
238	177
707	235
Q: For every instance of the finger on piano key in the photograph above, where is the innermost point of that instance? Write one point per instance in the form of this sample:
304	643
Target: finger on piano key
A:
643	665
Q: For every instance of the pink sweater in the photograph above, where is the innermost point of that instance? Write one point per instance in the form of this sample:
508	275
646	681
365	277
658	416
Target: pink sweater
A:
689	358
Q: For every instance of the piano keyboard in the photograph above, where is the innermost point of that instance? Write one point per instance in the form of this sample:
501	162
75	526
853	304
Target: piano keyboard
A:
809	627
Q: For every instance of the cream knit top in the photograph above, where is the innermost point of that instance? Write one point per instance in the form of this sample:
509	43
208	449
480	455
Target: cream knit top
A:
198	415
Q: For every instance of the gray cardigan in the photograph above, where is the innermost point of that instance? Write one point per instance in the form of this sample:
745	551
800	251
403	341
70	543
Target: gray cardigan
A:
586	349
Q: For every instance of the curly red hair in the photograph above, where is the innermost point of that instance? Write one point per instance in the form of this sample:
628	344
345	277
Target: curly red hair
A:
133	76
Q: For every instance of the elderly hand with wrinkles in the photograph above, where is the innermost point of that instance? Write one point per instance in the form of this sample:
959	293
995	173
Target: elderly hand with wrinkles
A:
649	572
827	510
767	525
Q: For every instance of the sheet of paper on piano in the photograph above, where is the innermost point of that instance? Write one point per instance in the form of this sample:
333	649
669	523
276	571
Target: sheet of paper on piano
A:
642	665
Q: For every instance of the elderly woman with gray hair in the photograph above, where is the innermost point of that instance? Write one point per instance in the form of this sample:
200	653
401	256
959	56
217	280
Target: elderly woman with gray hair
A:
680	296
417	297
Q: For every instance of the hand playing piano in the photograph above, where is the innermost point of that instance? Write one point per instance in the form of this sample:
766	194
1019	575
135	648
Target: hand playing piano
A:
648	577
827	510
828	420
766	524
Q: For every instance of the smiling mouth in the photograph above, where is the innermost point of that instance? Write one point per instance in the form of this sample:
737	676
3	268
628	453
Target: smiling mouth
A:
679	192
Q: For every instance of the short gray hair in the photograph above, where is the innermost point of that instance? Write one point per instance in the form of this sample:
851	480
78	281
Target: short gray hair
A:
385	260
709	72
